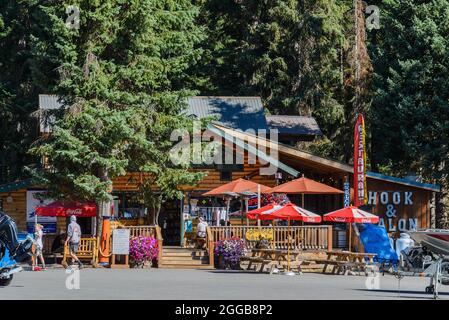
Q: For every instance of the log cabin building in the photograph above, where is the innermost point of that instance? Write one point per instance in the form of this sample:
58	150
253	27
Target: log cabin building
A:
400	203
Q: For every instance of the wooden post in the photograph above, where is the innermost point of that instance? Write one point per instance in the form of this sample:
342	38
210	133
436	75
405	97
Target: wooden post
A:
210	246
159	243
121	265
350	236
329	238
246	211
288	246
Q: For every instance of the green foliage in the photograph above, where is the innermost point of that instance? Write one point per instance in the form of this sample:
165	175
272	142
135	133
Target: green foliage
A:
19	89
84	145
410	112
289	52
121	76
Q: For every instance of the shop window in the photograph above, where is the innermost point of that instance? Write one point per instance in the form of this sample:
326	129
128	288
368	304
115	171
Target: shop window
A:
225	175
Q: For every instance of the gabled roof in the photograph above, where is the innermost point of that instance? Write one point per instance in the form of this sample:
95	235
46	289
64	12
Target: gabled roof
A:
293	125
234	112
309	159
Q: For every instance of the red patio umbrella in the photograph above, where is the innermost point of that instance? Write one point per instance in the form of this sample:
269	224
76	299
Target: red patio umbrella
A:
351	215
237	186
66	209
289	212
292	212
257	214
303	186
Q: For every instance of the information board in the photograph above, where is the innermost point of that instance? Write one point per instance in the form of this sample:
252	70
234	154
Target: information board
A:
120	241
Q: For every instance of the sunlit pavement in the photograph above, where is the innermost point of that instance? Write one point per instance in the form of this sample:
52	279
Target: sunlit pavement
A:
208	284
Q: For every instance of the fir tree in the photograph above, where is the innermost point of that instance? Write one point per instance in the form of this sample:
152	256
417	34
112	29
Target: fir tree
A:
410	112
120	78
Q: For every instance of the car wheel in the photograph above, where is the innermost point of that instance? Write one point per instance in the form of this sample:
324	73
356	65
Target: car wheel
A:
5	281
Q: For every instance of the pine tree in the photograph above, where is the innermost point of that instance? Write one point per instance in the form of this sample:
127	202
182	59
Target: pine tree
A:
295	54
121	79
18	89
410	111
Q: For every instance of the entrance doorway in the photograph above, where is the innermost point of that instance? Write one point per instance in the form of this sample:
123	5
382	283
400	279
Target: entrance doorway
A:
170	222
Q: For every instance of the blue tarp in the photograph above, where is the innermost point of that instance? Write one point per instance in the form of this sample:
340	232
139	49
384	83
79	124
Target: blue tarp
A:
375	240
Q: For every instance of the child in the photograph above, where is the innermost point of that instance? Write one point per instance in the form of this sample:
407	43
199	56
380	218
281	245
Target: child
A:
39	246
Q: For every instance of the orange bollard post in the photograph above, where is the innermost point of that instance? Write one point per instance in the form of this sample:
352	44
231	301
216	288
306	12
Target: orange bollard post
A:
105	242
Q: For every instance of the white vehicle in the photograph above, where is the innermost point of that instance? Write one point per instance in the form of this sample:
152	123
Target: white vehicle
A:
429	259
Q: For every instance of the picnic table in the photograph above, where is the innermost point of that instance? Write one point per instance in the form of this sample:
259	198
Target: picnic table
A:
346	262
270	259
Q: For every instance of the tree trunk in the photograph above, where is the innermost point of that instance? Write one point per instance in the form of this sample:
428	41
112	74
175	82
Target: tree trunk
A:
103	208
158	205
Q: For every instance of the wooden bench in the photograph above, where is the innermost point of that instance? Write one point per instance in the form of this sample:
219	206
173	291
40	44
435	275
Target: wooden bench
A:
346	262
272	259
87	250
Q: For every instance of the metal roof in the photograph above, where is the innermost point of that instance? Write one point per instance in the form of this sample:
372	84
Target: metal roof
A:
294	125
47	105
235	112
331	163
417	184
16	185
49	102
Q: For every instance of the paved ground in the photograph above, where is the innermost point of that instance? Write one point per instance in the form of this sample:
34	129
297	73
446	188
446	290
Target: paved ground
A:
207	284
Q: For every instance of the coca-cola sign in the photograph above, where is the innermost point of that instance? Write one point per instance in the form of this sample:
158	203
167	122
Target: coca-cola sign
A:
74	212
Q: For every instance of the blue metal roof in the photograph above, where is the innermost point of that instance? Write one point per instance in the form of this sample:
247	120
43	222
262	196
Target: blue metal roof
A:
294	125
16	185
234	112
428	186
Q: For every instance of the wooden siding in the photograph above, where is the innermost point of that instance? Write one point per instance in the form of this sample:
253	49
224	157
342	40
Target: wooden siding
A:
418	209
17	209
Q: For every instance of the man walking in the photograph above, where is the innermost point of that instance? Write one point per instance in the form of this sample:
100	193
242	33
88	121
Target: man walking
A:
73	238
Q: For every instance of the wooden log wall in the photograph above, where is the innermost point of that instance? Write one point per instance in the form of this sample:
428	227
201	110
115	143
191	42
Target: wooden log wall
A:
17	209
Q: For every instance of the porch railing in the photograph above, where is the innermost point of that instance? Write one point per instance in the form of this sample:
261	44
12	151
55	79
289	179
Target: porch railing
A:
301	237
147	231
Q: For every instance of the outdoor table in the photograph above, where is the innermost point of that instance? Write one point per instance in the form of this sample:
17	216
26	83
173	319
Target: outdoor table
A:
345	261
273	258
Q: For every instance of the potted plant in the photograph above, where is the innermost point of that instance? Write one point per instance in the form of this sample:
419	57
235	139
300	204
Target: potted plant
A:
143	251
229	252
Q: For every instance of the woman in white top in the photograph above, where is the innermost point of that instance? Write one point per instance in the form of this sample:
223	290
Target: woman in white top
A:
39	233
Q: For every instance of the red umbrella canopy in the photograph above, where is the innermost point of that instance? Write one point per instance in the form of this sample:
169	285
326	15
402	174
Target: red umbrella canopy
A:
236	186
289	212
258	213
66	209
292	212
351	214
305	186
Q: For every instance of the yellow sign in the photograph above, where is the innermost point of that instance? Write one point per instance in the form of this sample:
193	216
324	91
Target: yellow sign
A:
255	235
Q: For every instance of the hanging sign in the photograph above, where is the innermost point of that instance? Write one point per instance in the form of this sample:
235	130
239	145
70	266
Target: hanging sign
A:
360	192
120	241
347	194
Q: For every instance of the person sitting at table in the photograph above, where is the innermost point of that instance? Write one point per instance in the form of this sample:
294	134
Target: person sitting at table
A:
201	232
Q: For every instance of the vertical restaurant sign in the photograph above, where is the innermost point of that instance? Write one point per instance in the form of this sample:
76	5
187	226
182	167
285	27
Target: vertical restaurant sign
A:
360	192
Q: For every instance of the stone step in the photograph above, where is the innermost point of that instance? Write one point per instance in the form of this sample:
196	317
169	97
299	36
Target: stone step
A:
184	262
